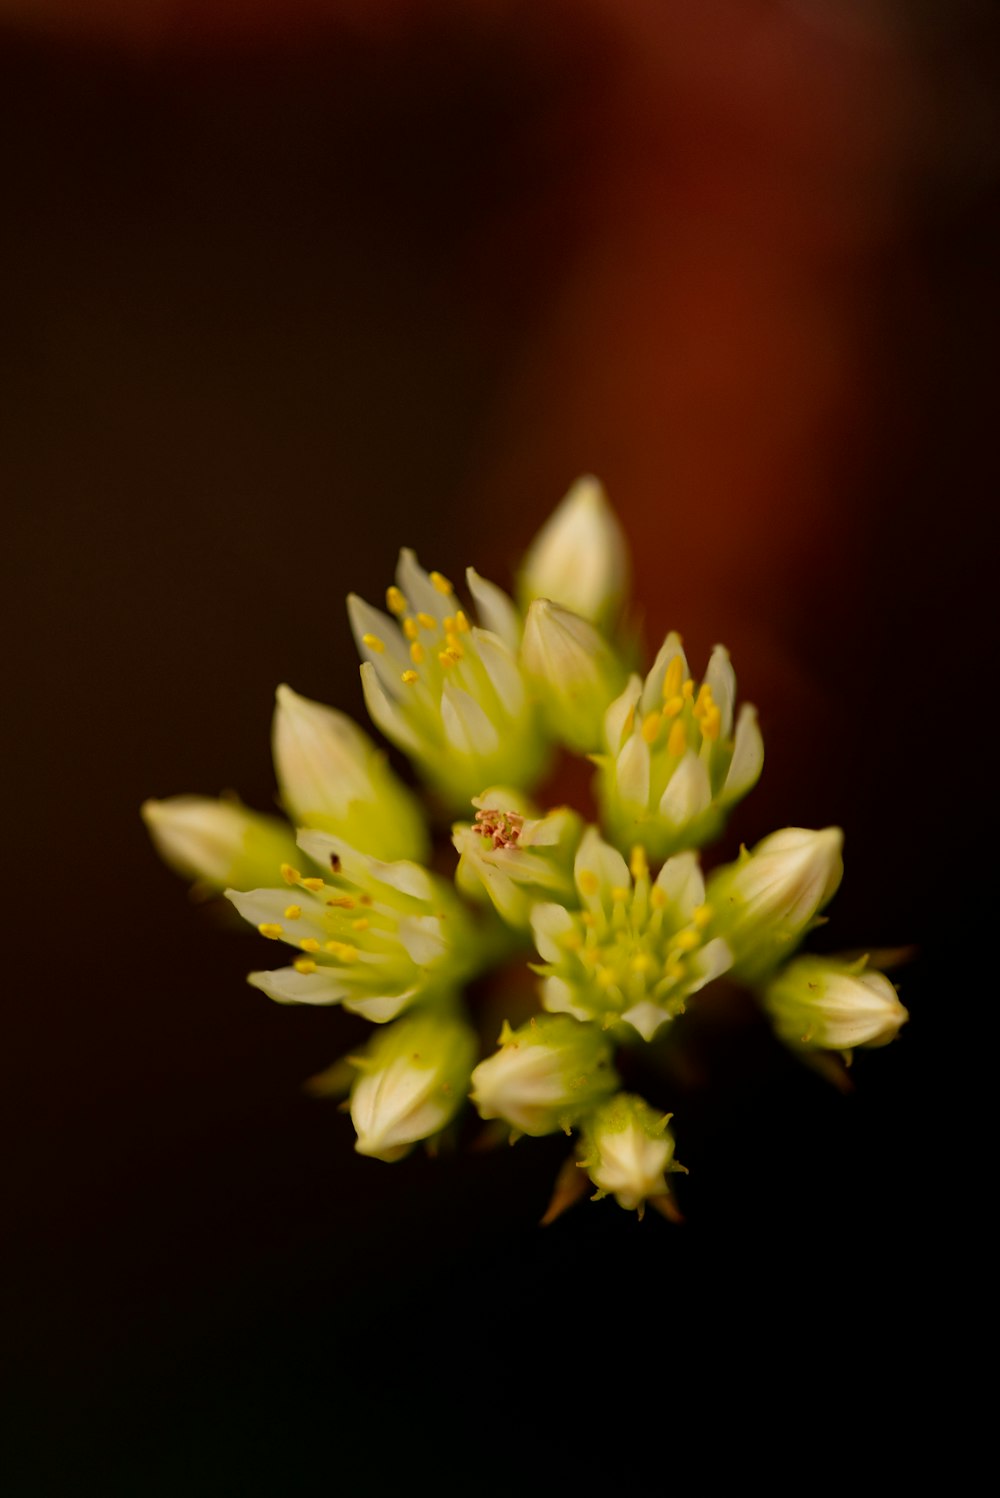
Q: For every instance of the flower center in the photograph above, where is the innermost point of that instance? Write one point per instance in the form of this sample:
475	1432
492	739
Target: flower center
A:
503	828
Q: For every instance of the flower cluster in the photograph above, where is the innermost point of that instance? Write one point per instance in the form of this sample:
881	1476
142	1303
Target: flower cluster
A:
479	696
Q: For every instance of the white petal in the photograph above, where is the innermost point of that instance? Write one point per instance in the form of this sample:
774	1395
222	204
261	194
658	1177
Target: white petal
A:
722	680
466	726
424	939
713	959
495	609
331	852
646	1017
597	857
502	670
748	757
366	620
266	907
379	1008
681	881
617	714
632	772
385	713
286	986
559	998
579	557
549	923
320	757
652	692
417	588
688	792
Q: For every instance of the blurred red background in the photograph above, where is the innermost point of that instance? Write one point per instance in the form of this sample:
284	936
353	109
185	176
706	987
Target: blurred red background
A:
288	286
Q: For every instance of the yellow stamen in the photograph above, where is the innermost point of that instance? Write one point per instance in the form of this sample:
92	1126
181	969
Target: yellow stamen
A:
455	646
361	924
638	866
674	968
374	643
673	677
396	601
571	940
703	703
409	677
657	897
441	584
685	941
292	912
687	690
641	962
304	965
677	742
290	875
343	902
701	915
342	950
588	882
461	623
448	624
314	884
417	653
410	628
271	930
620	894
673	706
651	726
587	917
604	976
427	621
711	724
448	657
309	944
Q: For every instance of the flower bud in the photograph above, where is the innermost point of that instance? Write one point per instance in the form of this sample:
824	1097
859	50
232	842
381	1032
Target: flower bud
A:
413	1078
831	1005
573	669
637	950
579	558
217	842
332	777
449	694
767	900
674	763
545	1076
515	857
376	937
628	1151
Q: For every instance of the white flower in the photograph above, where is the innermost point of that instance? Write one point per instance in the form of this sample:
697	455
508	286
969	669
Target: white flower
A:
628	1151
545	1076
637	950
767	900
412	1081
674	763
332	777
450	694
373	936
820	1002
579	558
574	670
217	842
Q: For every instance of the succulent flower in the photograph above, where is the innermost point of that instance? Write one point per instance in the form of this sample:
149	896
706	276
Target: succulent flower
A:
448	692
373	936
574	670
514	856
546	1075
217	842
673	764
412	1079
832	1005
637	950
628	1151
579	559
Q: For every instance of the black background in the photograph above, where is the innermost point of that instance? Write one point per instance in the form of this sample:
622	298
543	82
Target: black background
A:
277	301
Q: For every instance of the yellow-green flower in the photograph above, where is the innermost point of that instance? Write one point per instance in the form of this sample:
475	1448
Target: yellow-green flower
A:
833	1005
574	671
628	1152
412	1079
217	842
547	1075
579	559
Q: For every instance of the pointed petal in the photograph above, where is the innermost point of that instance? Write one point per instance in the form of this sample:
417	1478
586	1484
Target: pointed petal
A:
632	772
548	923
652	692
502	670
617	714
386	714
681	881
599	860
466	726
688	792
748	757
415	583
721	677
286	986
495	609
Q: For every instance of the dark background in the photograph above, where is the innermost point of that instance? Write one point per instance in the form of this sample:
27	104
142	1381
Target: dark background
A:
283	290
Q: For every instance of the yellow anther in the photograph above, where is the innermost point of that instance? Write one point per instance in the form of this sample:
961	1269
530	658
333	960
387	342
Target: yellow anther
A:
685	941
448	624
417	653
711	724
587	882
571	940
427	621
410	628
703	702
701	915
441	583
657	897
292	912
361	924
638	866
314	884
641	962
588	918
290	875
620	894
673	706
309	944
304	965
677	742
673	677
461	623
343	902
374	643
271	930
687	690
651	726
674	968
342	950
455	646
396	601
604	976
448	657
409	677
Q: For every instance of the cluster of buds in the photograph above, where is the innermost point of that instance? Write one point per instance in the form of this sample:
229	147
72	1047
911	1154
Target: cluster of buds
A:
479	697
